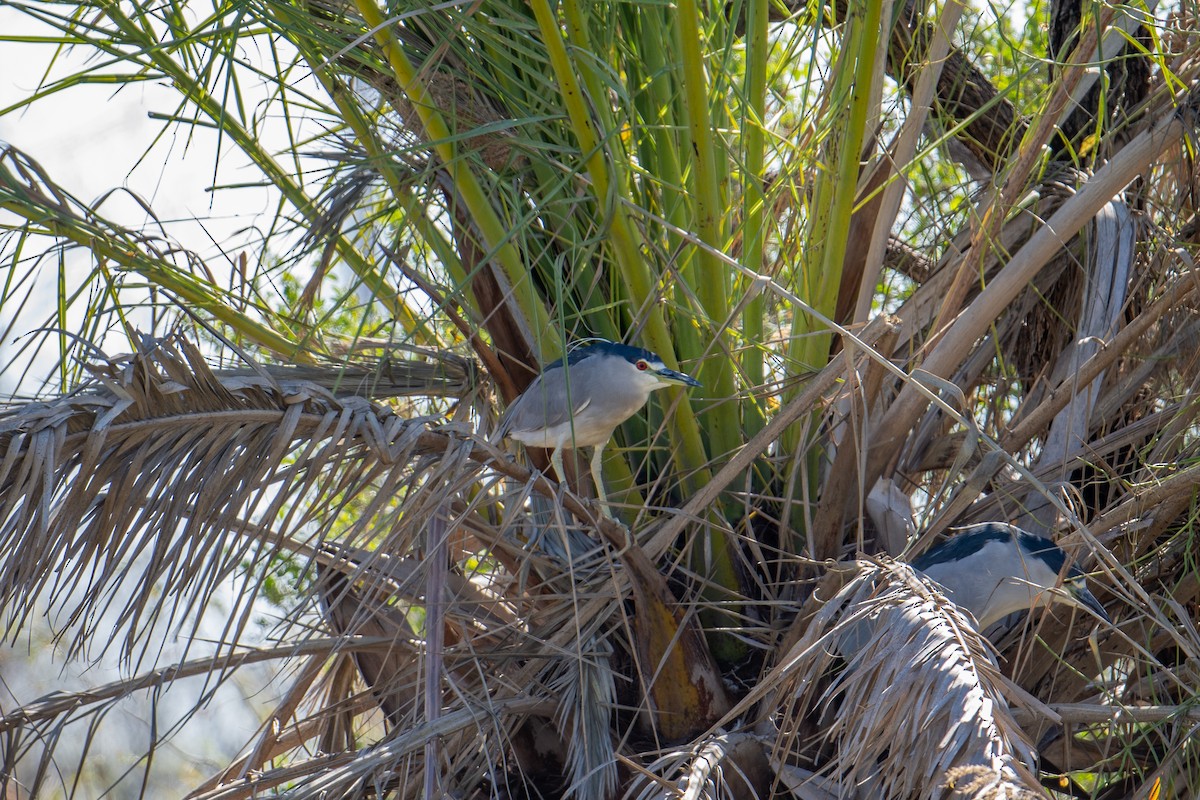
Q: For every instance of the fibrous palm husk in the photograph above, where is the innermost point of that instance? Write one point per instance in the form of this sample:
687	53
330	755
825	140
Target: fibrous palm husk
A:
470	114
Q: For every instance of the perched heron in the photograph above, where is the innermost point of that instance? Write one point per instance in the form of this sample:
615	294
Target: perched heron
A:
995	569
580	400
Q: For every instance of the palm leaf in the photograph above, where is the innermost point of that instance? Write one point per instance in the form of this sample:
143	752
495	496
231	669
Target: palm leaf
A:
920	696
185	462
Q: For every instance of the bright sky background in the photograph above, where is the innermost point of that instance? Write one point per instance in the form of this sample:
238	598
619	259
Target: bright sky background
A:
91	139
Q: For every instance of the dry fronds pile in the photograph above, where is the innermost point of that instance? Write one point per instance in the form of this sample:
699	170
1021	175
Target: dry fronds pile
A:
914	664
917	297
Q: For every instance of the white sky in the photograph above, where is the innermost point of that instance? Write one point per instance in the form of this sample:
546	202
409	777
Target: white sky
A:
90	139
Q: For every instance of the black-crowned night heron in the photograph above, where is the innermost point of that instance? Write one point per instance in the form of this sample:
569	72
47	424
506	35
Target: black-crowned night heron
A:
995	569
580	400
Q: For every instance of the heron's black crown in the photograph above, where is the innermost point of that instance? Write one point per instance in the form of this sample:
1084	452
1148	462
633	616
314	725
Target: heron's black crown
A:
962	546
603	347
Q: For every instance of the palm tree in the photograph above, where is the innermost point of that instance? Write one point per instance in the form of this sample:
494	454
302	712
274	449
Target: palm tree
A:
917	296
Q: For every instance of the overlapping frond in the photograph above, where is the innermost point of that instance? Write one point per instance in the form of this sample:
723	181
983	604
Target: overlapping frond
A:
920	695
166	478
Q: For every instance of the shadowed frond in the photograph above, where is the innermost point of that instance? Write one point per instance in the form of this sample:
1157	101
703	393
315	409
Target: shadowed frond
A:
165	477
724	765
919	696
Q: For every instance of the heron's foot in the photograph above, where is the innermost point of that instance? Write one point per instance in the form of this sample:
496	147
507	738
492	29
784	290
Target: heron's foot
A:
560	487
626	534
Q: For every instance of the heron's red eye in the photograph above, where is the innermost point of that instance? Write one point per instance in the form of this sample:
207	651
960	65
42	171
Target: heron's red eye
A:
643	366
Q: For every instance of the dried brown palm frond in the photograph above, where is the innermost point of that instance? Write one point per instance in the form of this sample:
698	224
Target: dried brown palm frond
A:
165	479
131	502
723	765
979	783
471	113
400	371
918	697
163	459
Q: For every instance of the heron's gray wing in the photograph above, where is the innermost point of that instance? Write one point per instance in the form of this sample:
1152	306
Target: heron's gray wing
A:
543	404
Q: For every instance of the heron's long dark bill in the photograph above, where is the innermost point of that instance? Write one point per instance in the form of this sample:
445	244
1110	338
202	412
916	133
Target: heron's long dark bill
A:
1088	600
671	376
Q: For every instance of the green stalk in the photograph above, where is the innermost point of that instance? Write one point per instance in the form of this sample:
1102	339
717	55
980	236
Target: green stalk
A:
665	164
754	200
846	188
660	156
711	279
708	283
835	194
484	216
659	186
188	86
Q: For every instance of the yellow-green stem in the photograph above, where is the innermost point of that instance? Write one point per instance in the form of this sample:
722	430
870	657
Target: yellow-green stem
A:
835	194
711	278
635	274
754	232
483	215
711	282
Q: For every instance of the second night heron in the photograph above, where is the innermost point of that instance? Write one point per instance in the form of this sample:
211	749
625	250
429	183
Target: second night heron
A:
995	569
578	401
